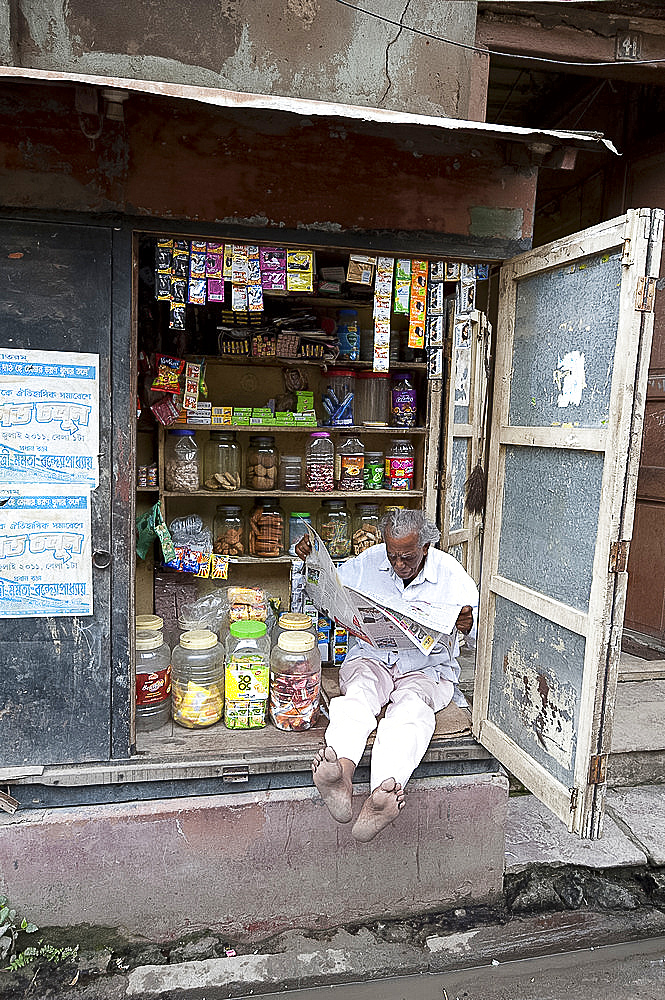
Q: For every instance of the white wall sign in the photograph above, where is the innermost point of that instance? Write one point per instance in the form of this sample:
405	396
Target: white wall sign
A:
45	553
49	418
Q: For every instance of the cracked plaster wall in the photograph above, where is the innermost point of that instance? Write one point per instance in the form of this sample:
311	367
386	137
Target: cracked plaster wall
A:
316	49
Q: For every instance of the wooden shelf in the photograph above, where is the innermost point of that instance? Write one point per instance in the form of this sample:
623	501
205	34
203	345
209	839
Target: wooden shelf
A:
249	360
290	429
223	496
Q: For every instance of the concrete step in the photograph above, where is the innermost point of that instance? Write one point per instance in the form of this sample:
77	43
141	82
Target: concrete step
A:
638	737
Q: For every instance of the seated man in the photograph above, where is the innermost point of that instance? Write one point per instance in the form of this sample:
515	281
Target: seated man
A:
412	685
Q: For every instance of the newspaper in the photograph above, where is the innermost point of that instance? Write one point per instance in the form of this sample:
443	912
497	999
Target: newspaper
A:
386	624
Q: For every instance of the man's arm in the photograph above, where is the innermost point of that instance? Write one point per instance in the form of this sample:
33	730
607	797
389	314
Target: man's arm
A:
464	622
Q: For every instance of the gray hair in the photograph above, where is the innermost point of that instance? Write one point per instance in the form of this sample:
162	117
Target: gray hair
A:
401	523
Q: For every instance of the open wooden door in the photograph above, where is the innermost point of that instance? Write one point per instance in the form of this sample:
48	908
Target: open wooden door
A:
574	336
468	358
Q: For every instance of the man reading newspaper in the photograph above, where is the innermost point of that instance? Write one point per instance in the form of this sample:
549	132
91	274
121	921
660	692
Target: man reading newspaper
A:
411	684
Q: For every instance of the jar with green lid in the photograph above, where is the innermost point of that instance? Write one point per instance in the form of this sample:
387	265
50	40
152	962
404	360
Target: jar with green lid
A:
333	523
222	462
295	681
373	470
228	531
366	530
153	676
197	694
246	675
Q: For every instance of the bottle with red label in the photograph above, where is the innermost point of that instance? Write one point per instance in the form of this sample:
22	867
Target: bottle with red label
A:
399	465
350	464
153	679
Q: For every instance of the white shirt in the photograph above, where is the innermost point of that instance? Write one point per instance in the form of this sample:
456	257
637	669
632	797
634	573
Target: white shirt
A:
442	580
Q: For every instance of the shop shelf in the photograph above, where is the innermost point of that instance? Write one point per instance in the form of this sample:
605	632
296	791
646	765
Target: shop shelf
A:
280	428
222	495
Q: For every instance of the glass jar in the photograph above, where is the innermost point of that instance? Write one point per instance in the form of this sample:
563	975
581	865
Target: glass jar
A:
404	403
338	397
246	675
297	529
295	681
228	531
349	464
181	461
197	695
320	463
373	399
290	472
399	465
222	462
292	621
153	677
366	530
373	470
333	523
266	529
262	463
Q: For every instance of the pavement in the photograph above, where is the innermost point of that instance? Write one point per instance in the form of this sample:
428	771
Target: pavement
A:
560	894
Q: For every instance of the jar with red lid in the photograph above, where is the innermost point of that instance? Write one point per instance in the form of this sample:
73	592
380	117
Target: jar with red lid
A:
338	397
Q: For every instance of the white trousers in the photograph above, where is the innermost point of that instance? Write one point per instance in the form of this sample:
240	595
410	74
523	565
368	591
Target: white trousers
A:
404	732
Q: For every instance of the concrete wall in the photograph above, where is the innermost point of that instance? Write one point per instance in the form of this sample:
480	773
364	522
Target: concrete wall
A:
317	49
252	865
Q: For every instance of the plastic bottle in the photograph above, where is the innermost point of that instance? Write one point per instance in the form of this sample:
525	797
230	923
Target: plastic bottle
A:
348	334
246	675
153	678
198	680
295	681
349	464
320	463
399	465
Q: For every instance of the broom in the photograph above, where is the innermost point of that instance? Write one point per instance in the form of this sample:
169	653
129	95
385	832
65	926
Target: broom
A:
475	487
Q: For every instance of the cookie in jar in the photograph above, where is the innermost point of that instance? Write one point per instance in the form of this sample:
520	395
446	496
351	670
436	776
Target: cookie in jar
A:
228	531
266	529
262	463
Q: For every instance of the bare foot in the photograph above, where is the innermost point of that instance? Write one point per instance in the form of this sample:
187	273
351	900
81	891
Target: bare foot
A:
379	809
332	777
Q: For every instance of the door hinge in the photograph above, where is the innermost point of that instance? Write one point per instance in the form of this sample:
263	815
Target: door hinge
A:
598	769
645	294
238	773
619	557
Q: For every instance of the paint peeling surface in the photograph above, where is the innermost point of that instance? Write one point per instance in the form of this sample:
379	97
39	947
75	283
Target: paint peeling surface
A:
569	379
565	332
459	475
549	522
535	686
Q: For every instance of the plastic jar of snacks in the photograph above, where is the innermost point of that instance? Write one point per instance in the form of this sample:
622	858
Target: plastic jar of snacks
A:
404	401
228	531
320	463
262	463
333	523
373	399
399	465
197	693
266	529
246	675
290	472
373	470
181	461
222	462
338	397
295	681
366	531
153	676
349	464
297	529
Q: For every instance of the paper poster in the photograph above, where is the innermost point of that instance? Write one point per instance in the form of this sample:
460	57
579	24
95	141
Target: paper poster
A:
49	418
45	553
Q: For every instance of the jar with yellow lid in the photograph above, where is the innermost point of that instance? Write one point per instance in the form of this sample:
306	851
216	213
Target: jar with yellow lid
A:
246	675
153	677
295	681
292	621
198	680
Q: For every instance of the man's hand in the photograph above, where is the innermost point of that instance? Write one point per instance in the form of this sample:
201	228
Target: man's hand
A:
464	622
304	547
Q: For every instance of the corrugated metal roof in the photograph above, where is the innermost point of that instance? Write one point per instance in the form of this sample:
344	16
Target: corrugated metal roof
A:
309	108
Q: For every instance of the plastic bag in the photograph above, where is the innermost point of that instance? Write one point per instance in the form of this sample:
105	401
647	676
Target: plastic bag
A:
150	526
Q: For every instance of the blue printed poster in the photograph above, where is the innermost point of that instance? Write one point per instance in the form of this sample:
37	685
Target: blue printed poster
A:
45	553
49	418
